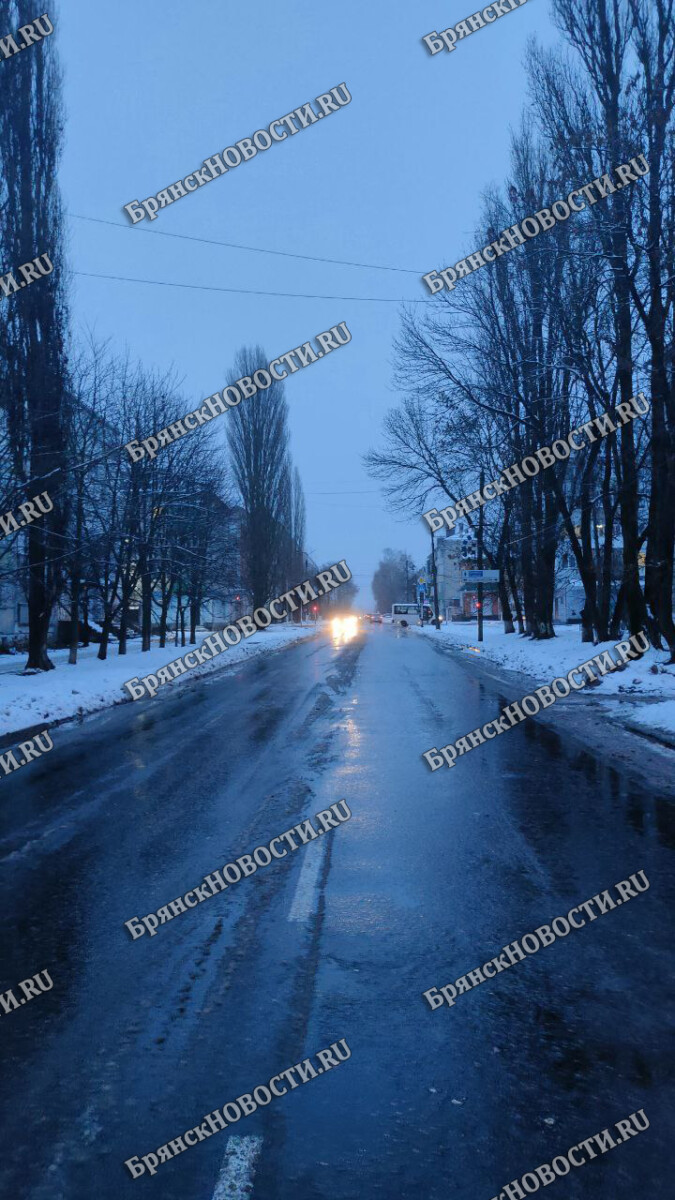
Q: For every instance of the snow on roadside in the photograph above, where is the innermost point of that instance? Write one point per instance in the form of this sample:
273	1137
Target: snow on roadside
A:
70	691
557	656
651	718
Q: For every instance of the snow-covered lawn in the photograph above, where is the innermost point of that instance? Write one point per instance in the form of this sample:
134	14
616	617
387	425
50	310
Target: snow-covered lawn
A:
548	659
70	691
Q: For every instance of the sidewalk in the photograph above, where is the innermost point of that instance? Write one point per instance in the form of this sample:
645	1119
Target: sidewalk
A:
35	702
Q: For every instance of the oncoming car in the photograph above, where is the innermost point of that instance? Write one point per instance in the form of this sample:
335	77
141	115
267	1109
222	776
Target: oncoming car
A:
344	628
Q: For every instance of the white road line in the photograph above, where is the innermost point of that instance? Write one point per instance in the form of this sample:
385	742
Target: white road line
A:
307	887
235	1181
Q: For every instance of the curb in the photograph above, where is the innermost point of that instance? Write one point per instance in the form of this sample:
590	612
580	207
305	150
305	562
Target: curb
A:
661	737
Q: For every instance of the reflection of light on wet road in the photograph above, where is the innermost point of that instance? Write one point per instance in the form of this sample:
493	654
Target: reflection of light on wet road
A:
354	737
344	629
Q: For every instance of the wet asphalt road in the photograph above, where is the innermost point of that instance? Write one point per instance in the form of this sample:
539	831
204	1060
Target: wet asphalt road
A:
431	877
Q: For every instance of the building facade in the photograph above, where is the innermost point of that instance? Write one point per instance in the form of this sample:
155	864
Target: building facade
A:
457	600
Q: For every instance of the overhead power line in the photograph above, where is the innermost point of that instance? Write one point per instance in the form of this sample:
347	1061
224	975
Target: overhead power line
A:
256	249
202	287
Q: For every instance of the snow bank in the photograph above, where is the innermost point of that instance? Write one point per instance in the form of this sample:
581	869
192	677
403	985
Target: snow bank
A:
548	659
71	691
656	719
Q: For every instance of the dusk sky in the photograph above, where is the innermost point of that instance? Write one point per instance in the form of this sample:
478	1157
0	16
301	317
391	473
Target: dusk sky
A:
395	178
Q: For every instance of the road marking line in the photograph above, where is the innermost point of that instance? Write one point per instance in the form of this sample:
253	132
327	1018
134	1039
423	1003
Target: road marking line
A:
307	887
235	1181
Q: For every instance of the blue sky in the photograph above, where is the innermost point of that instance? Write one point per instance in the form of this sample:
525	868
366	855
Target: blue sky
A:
395	178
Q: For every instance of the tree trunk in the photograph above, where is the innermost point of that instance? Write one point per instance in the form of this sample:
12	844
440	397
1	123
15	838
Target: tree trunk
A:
526	563
623	335
163	620
507	615
85	617
615	623
75	575
105	637
146	609
546	569
605	589
124	618
585	565
39	605
515	594
659	557
74	612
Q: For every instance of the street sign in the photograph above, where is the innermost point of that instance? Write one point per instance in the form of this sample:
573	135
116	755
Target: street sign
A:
421	579
480	576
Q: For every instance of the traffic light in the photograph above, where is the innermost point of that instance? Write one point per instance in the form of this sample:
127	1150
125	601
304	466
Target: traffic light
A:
479	605
315	608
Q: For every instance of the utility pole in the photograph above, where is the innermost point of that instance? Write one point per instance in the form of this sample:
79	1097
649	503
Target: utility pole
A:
481	520
434	576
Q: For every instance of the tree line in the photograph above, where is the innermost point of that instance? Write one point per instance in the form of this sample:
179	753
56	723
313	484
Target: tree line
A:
559	331
134	541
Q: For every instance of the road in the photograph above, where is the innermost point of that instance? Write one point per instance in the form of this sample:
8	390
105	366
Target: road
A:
430	878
